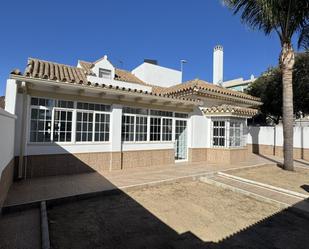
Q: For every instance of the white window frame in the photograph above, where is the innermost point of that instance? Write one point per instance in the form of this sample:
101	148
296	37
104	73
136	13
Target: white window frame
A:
30	119
109	129
93	126
74	111
53	121
134	127
105	76
149	116
227	128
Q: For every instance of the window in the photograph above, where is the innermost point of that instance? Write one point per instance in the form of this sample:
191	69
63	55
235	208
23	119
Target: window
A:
105	73
181	115
161	113
134	124
93	107
167	129
64	103
141	128
51	120
84	126
135	110
128	128
155	129
219	133
101	127
62	126
40	125
235	134
93	116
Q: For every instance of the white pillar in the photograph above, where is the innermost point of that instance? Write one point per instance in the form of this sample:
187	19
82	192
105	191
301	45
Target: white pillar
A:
115	133
10	96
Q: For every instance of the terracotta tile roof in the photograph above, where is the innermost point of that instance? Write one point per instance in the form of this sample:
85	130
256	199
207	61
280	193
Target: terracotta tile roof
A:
229	109
198	85
127	76
120	74
54	71
40	69
2	102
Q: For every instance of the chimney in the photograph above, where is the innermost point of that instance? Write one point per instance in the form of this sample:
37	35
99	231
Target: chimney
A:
218	65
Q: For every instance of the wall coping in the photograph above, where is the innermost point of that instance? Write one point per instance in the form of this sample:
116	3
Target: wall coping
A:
7	114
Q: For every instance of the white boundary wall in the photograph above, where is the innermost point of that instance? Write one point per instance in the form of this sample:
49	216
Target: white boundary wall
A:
270	135
7	130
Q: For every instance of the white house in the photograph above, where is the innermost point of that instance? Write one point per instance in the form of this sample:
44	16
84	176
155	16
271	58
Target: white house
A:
93	116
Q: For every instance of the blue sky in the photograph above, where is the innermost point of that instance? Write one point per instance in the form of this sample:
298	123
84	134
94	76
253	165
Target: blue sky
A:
129	31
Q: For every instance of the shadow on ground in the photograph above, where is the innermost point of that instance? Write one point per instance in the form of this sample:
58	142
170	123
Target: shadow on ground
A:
118	221
115	220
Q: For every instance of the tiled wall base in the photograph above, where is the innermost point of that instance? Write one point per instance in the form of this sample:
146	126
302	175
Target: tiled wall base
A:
6	180
299	153
63	164
147	158
217	155
197	154
226	156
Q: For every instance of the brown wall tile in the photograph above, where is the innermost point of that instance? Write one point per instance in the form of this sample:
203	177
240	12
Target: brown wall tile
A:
6	180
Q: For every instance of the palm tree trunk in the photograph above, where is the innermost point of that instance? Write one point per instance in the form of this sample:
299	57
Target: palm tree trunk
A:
287	63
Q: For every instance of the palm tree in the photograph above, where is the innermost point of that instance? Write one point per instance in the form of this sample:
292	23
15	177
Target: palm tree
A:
286	18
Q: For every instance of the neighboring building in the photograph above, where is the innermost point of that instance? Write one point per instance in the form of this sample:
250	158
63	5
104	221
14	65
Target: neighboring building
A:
2	102
152	73
238	84
97	117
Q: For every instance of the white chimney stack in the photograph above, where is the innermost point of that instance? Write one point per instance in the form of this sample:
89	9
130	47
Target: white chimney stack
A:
218	65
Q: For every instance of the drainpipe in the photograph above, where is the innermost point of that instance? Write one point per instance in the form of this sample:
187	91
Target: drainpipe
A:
23	87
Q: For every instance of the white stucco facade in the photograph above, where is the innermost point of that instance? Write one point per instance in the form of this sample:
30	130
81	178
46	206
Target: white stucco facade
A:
7	133
157	75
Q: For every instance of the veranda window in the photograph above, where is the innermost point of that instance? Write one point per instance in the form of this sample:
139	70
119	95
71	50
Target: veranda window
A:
235	133
40	126
134	124
167	129
62	126
54	121
219	133
155	129
128	128
84	126
102	121
228	132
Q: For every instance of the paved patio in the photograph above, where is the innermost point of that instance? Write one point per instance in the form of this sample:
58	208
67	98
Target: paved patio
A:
47	188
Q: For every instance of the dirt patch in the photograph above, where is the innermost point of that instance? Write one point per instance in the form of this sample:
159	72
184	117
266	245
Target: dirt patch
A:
297	180
178	215
20	230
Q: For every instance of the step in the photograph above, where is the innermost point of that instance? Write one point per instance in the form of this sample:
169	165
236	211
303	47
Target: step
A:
282	200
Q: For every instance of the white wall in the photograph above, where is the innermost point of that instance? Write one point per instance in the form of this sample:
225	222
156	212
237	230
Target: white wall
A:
10	96
7	124
157	75
198	130
268	135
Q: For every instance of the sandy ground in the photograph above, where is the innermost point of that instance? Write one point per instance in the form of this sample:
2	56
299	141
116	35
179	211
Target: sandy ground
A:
297	180
20	230
177	215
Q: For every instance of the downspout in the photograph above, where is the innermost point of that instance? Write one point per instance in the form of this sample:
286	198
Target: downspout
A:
22	133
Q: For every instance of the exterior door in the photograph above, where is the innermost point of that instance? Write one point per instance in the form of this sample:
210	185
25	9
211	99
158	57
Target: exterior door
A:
180	139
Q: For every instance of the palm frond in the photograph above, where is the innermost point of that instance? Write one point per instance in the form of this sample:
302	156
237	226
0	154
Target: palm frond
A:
303	41
285	17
